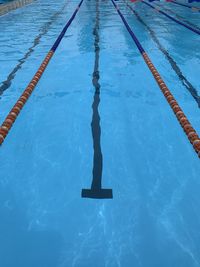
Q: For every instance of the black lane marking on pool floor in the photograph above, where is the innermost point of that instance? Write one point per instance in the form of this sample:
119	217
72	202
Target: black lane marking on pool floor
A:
96	190
172	62
180	22
8	82
178	16
182	4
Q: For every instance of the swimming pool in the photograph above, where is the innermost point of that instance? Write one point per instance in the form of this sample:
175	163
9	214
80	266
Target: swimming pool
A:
98	91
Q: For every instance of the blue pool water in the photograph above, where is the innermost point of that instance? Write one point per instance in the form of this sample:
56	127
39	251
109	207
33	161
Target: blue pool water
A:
46	160
5	1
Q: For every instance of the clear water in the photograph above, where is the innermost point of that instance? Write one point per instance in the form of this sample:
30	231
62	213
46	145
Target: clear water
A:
47	158
5	1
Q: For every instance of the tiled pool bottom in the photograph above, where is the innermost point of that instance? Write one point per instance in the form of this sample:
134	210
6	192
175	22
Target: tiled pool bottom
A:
47	158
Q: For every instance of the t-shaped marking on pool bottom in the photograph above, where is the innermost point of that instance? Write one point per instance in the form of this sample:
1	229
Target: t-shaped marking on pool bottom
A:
97	193
96	190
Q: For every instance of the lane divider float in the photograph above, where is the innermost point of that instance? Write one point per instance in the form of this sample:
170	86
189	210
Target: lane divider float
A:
12	116
181	4
170	17
178	16
184	122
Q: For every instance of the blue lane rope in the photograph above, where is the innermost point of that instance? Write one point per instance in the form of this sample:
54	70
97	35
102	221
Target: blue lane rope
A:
13	114
57	42
178	16
181	117
180	4
141	49
170	17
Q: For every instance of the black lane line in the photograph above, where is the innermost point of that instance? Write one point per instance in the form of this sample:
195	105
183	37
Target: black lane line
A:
172	18
181	4
172	62
96	190
8	82
178	16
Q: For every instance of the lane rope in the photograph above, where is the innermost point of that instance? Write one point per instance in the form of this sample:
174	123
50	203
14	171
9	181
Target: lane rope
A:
12	116
178	16
170	17
186	83
184	122
192	7
4	85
